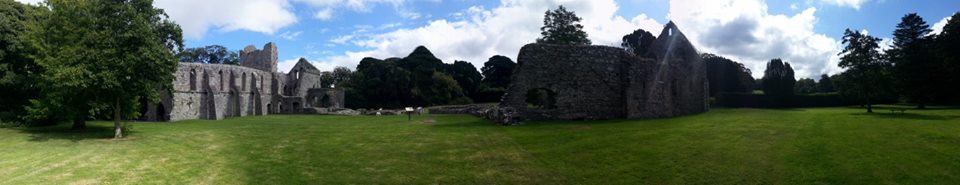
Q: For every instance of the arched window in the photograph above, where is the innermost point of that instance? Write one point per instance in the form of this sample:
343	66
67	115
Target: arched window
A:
243	81
541	98
193	79
221	79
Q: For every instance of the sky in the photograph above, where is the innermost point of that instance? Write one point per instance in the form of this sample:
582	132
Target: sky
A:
331	33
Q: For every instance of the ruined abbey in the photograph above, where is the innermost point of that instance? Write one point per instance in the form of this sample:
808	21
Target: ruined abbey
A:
601	82
216	91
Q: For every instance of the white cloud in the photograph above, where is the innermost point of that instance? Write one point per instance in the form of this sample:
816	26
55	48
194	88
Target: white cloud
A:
290	35
938	27
196	17
342	39
855	4
480	33
743	30
324	14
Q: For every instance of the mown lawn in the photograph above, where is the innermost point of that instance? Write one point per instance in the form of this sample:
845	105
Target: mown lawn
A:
723	146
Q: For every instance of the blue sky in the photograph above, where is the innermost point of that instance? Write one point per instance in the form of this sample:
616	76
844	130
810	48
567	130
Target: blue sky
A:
333	33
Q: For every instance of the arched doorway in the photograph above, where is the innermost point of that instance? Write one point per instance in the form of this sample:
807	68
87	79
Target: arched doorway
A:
541	98
161	112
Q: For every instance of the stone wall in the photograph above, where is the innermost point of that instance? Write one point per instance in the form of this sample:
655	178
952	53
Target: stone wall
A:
600	82
265	59
215	91
586	81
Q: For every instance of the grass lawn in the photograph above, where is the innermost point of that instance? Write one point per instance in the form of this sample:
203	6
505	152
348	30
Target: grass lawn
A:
723	146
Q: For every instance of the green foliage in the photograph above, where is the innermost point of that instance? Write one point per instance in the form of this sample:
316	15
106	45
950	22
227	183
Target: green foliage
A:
378	84
825	85
444	90
467	76
18	71
725	75
805	86
103	55
947	47
638	42
497	71
778	78
919	75
562	27
212	54
868	72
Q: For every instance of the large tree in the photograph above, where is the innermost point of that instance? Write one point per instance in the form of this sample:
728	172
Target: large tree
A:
466	75
918	73
18	71
102	56
212	54
825	84
638	42
562	27
725	75
778	78
867	70
497	71
948	49
805	86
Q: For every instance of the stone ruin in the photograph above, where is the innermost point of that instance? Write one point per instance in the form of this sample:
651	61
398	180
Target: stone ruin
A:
601	82
216	91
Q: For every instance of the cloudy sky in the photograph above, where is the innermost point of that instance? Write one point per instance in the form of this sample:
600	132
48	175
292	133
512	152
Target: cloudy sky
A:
333	33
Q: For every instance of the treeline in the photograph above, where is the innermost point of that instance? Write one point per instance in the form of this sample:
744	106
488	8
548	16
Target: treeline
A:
78	60
421	79
921	68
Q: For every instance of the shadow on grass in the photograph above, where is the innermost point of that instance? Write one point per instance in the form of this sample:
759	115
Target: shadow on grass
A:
906	115
43	134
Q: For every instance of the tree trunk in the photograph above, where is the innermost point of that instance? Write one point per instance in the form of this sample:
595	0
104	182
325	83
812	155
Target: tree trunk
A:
118	131
869	106
79	123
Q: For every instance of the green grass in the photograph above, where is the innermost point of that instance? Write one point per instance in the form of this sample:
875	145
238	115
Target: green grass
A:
723	146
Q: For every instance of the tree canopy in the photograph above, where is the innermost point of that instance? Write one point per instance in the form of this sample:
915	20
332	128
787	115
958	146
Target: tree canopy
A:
778	78
212	54
725	75
562	27
867	70
103	56
18	70
638	42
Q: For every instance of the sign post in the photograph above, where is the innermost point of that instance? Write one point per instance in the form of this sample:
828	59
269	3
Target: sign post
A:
409	111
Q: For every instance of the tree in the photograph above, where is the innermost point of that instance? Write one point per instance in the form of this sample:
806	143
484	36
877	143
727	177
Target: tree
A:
467	76
947	45
18	71
212	54
102	56
562	27
825	84
805	86
497	71
916	70
778	78
638	42
444	90
725	75
866	67
341	74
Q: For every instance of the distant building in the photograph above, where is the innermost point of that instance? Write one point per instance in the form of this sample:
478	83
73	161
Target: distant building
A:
216	91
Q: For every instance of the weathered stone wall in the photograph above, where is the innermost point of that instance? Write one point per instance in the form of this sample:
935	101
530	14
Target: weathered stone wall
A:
599	82
586	81
265	59
215	91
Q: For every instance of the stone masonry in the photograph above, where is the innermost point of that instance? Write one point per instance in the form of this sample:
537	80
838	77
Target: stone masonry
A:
601	82
216	91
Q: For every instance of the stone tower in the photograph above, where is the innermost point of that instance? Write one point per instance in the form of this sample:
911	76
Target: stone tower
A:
265	59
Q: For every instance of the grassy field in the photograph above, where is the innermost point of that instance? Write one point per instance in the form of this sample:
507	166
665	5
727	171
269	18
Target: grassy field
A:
723	146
